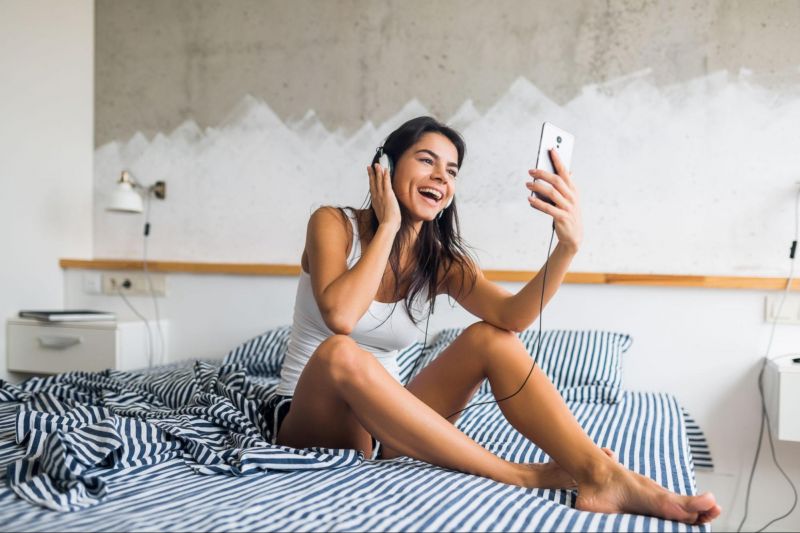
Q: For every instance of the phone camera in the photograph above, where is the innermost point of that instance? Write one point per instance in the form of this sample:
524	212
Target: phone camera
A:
558	140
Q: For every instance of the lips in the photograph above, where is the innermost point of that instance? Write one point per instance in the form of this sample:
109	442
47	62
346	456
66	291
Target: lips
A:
430	201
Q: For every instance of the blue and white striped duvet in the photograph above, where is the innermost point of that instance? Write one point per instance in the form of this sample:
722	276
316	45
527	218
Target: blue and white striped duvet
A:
647	430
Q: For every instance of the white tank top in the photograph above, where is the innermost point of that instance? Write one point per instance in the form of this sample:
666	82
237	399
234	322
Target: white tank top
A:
384	330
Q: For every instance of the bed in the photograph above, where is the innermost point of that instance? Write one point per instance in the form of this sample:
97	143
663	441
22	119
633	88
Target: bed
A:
182	447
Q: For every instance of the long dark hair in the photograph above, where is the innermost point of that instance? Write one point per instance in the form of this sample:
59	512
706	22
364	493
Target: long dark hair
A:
439	243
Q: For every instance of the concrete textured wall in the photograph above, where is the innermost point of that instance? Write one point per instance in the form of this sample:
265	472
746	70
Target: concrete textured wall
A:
160	63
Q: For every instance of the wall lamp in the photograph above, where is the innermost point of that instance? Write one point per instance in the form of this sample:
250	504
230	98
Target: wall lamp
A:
127	198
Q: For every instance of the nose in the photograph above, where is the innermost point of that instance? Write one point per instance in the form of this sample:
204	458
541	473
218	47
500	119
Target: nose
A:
439	172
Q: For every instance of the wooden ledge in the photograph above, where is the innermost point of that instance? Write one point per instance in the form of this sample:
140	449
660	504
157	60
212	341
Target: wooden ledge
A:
265	269
242	269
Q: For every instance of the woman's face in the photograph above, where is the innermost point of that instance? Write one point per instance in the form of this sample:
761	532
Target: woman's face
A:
424	177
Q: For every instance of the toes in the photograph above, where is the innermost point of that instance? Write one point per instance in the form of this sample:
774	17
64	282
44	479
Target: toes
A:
702	503
703	507
711	514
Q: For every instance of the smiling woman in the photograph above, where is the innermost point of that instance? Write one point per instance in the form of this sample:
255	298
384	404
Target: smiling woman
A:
422	159
409	233
340	382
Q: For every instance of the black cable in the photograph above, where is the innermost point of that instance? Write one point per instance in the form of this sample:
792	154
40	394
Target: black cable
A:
538	339
765	417
162	352
764	413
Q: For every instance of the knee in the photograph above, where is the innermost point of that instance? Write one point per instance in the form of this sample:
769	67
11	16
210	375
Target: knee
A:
488	335
342	358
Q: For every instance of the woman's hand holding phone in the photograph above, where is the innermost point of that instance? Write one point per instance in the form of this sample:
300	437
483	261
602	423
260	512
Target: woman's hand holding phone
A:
562	191
384	201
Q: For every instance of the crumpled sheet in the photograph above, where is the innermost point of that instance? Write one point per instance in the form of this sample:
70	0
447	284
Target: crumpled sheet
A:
79	428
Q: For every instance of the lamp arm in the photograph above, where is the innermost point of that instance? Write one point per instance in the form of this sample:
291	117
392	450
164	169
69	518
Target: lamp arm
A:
158	189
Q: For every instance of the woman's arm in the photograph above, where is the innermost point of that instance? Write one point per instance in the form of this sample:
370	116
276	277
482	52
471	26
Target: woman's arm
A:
516	312
343	295
522	309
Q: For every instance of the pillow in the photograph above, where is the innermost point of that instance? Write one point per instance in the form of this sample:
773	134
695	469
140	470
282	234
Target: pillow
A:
411	360
262	355
584	365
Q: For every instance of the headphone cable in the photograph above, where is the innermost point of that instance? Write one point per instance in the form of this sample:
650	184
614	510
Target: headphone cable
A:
538	339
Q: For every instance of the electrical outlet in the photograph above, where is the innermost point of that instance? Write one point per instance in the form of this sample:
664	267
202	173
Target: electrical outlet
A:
134	283
92	283
789	312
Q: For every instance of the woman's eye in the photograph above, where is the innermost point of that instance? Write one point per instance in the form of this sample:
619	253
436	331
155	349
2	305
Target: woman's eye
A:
429	161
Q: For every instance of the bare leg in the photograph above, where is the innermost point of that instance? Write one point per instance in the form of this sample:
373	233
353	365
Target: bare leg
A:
344	395
539	413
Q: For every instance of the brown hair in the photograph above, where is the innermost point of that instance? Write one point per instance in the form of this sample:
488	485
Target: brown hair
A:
439	243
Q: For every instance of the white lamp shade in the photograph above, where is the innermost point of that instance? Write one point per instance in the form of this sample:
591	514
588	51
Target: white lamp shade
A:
125	199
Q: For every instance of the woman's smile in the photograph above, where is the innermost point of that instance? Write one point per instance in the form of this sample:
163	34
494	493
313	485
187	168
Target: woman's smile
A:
431	195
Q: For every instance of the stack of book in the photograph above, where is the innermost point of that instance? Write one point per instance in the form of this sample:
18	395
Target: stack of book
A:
77	315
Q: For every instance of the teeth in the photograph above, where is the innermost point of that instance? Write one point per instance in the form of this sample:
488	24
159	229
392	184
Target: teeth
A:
434	191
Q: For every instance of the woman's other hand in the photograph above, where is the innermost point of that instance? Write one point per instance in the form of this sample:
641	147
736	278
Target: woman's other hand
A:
384	201
562	191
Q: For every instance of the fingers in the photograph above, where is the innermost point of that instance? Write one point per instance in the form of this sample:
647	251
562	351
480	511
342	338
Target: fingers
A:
373	191
379	182
377	179
549	192
561	170
567	190
544	207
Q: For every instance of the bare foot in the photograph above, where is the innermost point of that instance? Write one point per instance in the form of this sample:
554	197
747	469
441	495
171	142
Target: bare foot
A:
620	490
551	475
609	452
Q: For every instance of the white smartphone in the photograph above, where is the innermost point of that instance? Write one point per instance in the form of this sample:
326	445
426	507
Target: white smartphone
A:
563	142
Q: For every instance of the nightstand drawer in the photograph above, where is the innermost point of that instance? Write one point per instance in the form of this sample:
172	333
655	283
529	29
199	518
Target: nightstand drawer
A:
52	349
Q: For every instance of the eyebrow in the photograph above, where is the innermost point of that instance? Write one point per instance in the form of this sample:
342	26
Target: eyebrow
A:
433	154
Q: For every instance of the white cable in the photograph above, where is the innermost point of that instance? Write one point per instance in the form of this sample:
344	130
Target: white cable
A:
146	325
764	413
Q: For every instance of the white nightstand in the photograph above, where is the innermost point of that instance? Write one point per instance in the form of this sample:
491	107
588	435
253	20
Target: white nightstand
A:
49	348
782	396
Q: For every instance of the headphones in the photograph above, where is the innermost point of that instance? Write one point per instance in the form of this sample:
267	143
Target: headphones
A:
385	161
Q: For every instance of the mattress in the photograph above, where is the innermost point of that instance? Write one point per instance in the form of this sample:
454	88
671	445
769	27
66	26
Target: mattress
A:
646	429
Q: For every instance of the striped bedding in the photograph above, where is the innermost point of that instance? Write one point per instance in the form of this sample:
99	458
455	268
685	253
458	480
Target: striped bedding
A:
647	430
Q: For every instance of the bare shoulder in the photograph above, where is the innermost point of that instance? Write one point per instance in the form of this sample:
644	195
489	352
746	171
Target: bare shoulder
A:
328	236
458	277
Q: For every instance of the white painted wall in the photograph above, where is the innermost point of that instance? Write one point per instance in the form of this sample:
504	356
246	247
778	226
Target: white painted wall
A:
46	149
703	345
695	178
